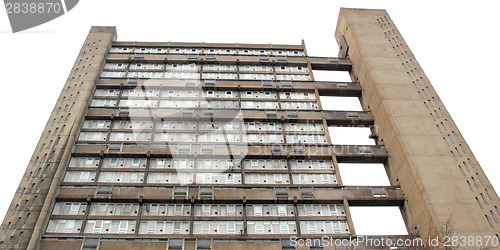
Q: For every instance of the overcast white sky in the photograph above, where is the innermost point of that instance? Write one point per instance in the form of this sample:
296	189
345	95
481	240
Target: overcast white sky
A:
455	42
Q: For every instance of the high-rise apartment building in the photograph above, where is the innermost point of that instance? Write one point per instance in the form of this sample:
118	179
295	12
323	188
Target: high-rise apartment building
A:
162	145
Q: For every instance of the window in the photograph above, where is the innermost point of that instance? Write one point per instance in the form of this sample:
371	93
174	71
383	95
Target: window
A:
182	163
109	177
309	210
206	209
177	227
479	178
160	163
100	124
123	227
231	227
102	209
255	178
151	227
207	163
205	227
470	187
207	178
96	137
74	208
272	138
484	199
333	210
316	138
259	227
178	210
303	179
336	227
153	209
158	177
282	210
322	165
325	178
70	225
257	210
135	162
474	181
314	127
254	163
251	126
97	227
208	137
284	227
231	210
278	179
230	179
342	85
120	136
311	225
252	138
272	127
88	161
133	178
84	176
493	215
488	193
18	239
300	164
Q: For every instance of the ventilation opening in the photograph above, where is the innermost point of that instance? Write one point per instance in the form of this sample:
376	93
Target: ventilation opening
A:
378	220
331	76
343	103
350	136
363	174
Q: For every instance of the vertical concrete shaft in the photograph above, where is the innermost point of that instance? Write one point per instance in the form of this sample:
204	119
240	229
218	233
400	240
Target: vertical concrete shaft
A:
425	147
61	134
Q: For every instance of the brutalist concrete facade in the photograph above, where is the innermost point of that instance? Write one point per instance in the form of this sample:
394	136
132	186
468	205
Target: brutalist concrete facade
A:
162	145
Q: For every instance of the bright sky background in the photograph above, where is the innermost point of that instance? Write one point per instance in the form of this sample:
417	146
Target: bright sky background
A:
456	43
